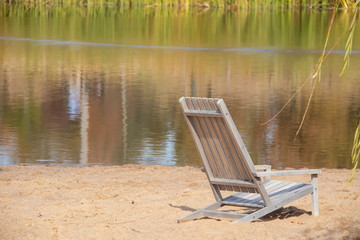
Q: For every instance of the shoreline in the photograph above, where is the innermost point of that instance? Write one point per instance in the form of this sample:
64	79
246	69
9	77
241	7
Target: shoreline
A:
145	201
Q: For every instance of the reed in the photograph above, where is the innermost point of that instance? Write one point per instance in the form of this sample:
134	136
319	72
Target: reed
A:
197	3
189	26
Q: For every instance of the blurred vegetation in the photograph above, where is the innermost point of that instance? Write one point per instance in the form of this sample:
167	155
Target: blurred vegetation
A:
198	3
355	153
276	29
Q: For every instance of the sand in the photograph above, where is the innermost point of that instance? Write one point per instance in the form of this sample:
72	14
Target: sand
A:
144	202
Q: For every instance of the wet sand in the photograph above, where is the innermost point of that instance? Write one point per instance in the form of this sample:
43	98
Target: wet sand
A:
144	202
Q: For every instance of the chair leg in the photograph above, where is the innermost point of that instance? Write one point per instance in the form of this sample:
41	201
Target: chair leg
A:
199	213
259	213
315	195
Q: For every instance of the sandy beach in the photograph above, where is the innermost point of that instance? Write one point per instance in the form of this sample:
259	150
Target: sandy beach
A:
144	202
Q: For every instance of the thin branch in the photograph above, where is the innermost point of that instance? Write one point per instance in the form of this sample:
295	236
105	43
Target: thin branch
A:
306	109
317	67
317	73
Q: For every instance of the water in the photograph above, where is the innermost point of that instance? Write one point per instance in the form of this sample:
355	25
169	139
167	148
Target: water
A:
101	85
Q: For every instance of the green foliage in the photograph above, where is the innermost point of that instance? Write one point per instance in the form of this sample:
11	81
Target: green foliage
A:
196	3
349	42
348	3
355	154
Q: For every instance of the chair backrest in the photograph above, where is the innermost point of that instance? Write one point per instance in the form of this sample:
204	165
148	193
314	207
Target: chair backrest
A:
223	153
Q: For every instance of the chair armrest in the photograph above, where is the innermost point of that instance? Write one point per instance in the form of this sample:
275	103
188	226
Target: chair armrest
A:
262	167
266	168
287	172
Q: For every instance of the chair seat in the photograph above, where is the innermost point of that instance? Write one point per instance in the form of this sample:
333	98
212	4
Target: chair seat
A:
277	190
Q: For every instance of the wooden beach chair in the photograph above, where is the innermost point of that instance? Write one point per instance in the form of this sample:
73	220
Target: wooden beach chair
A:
228	167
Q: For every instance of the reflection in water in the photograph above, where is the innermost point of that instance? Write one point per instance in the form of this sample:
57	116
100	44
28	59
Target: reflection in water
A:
84	125
124	115
74	101
90	103
152	152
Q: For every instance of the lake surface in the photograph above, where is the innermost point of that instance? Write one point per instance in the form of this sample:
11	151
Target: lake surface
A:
100	85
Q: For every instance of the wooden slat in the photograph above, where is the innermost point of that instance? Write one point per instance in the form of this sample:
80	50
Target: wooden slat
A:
235	134
235	153
243	204
275	196
198	113
270	184
216	147
246	198
225	156
213	143
232	182
254	199
240	195
197	125
210	148
280	190
290	190
212	213
232	154
287	172
295	194
262	212
198	143
245	159
276	186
